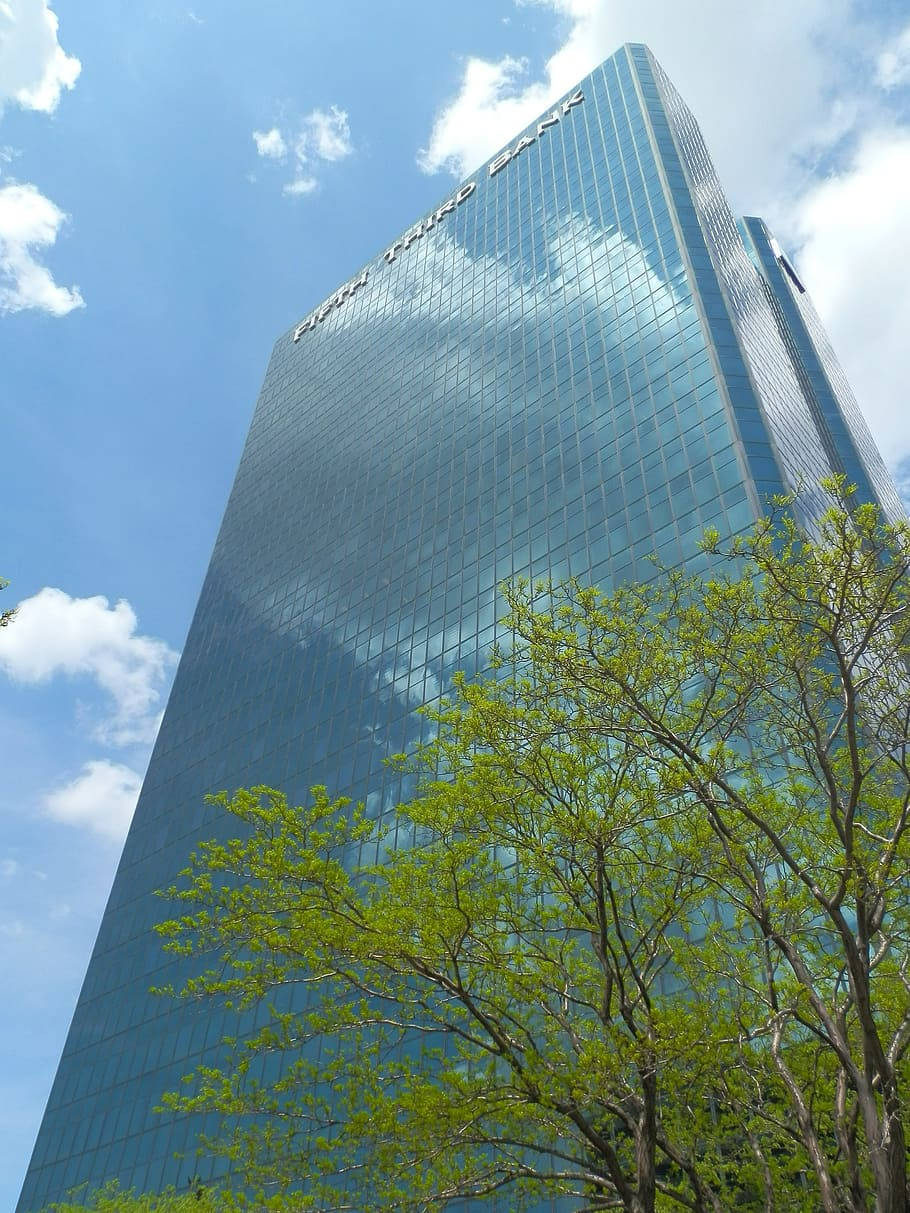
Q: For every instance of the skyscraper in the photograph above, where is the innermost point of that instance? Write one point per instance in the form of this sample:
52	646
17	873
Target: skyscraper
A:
577	361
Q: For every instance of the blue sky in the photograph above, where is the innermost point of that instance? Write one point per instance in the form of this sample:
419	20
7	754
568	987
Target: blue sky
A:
180	184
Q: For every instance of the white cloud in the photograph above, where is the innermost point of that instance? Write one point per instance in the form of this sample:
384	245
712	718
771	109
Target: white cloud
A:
270	144
299	186
322	136
777	89
892	67
487	111
855	250
56	634
758	122
34	68
325	134
28	222
102	798
8	868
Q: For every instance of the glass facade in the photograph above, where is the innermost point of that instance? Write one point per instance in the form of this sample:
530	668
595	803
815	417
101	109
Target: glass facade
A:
849	446
574	364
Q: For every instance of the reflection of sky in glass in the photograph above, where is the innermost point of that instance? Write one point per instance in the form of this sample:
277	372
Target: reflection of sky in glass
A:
849	445
526	389
553	297
794	411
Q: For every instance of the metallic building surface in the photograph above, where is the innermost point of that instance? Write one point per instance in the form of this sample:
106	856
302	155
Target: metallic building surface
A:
575	367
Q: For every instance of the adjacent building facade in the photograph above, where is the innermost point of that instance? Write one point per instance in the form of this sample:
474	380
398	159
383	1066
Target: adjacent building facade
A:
577	362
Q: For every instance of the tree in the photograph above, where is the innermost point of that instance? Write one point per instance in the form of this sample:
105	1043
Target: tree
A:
6	617
642	939
113	1199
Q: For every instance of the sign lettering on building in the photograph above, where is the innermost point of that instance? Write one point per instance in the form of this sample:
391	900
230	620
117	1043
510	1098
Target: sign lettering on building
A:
526	140
430	222
336	301
433	220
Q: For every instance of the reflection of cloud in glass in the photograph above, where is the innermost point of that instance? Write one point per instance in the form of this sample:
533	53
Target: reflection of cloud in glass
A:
478	311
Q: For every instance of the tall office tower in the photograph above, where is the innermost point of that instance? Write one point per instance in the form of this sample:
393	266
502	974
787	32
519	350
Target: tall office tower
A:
576	362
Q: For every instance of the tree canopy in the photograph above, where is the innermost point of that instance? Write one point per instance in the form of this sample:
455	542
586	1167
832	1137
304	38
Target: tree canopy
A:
7	616
641	937
114	1199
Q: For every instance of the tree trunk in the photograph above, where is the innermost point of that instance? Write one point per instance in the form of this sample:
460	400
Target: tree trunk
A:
888	1159
845	1128
767	1180
886	1141
646	1143
829	1201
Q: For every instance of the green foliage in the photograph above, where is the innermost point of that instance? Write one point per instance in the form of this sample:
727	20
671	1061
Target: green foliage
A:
6	617
113	1199
640	939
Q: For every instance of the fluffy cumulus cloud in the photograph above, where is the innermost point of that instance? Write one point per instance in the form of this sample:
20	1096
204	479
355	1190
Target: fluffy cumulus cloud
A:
299	186
892	68
29	223
778	89
270	144
87	637
756	120
854	242
101	798
494	101
322	136
325	134
34	68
